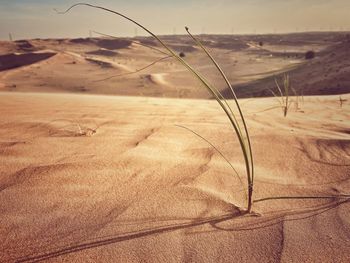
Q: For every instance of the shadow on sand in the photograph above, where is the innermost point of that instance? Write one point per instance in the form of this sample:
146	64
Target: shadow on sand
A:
247	222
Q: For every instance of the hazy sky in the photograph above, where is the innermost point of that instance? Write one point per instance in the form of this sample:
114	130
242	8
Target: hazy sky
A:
36	18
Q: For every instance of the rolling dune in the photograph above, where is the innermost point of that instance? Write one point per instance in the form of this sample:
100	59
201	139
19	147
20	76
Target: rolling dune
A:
106	179
118	66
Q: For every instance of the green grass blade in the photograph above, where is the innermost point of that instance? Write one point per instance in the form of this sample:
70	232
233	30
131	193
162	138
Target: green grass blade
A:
215	148
247	151
133	41
279	89
136	71
205	83
274	94
340	196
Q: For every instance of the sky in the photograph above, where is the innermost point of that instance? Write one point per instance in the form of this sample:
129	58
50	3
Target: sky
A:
37	19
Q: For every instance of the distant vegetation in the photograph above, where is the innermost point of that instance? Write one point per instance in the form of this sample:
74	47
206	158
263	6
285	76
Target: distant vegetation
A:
310	54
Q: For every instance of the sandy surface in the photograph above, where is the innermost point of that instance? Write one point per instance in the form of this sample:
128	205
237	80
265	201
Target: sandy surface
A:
112	179
128	67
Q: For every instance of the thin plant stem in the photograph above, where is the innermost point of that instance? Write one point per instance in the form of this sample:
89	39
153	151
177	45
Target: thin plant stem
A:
286	89
284	98
136	71
215	148
217	95
342	196
133	41
249	172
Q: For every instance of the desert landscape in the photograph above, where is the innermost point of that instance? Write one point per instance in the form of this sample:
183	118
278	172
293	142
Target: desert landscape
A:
111	151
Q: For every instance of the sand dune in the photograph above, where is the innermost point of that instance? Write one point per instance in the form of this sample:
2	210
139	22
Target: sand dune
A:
10	61
156	79
7	47
115	66
99	178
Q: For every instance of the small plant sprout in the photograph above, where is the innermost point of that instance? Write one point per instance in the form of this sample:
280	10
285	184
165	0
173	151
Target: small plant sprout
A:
302	95
283	99
241	133
296	101
341	101
73	127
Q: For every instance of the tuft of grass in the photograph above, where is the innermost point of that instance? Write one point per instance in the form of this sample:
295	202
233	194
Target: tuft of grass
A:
241	134
283	97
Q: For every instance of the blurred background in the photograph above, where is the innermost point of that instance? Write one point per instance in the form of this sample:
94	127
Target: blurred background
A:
25	19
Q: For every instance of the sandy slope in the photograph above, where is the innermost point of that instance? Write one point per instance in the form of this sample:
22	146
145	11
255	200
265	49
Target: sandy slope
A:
328	74
128	67
111	179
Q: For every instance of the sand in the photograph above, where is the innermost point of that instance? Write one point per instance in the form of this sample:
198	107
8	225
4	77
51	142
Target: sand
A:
94	167
93	178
